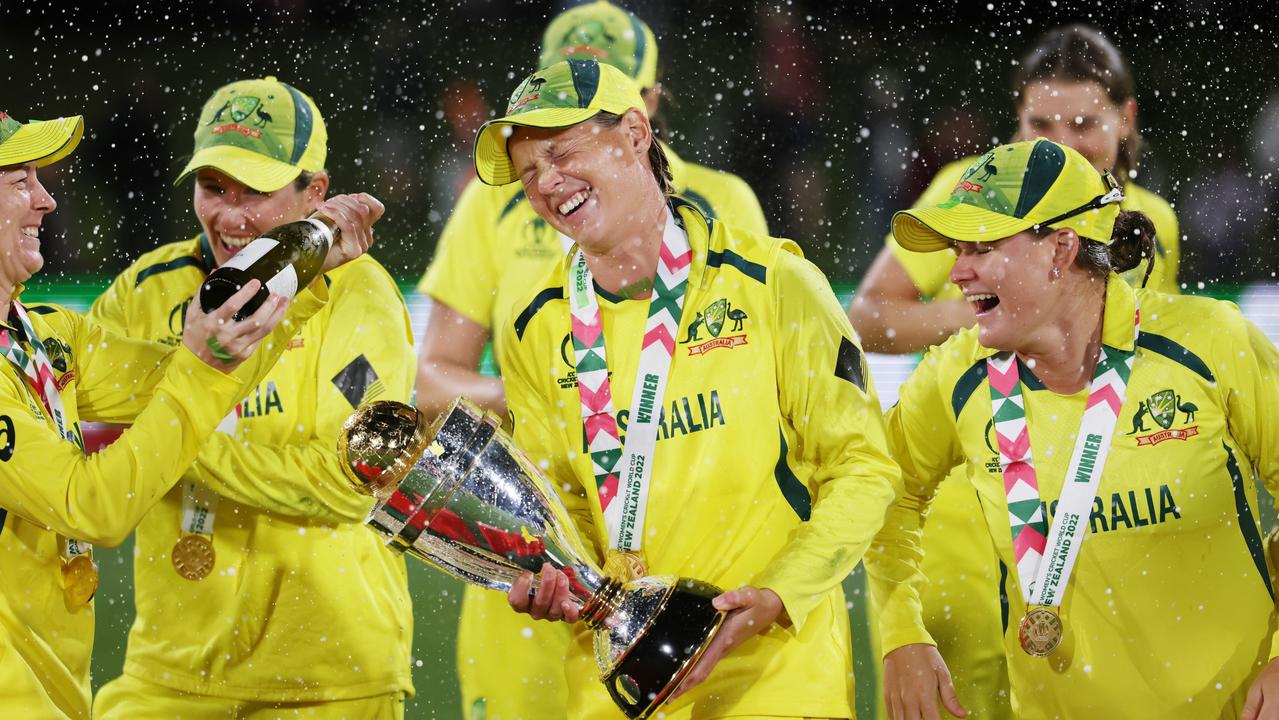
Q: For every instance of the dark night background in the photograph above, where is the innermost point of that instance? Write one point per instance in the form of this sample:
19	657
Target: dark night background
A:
836	114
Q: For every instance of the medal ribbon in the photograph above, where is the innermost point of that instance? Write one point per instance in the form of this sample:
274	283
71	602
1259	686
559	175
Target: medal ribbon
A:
200	504
38	371
1043	583
625	519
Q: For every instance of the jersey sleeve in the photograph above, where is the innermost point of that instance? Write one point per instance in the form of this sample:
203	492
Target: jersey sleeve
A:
463	274
535	429
924	442
829	401
366	354
172	397
1169	232
111	308
741	207
1246	366
930	271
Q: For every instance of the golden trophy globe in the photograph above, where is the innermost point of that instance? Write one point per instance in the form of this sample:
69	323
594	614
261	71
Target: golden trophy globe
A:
460	496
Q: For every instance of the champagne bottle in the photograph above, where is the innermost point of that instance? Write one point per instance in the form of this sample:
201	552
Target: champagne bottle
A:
283	259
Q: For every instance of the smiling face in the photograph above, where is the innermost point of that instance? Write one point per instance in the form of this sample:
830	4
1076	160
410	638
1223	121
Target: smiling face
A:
23	204
232	214
1078	114
585	180
1007	283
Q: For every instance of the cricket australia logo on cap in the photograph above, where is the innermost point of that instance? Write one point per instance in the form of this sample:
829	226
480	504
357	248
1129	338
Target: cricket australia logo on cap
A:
585	40
240	109
981	171
530	91
712	320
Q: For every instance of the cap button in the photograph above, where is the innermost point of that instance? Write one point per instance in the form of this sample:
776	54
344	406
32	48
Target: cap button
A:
270	78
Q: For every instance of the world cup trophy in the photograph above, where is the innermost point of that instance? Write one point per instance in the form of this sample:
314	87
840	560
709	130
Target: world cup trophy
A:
460	496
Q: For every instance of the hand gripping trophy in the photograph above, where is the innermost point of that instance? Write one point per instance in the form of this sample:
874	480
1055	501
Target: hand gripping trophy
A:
460	496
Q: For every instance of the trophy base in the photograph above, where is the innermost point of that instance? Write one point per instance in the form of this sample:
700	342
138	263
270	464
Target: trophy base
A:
656	663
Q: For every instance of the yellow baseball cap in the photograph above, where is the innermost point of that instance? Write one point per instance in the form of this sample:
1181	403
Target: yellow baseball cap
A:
263	133
602	31
560	96
43	142
1013	188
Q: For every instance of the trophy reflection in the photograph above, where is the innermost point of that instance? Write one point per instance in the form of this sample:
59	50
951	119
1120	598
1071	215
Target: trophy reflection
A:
459	495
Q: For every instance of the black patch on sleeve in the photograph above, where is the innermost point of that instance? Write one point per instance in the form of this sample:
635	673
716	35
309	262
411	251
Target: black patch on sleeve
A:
354	380
848	364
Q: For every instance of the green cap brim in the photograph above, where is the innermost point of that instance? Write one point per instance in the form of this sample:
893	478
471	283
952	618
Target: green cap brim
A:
928	229
256	170
493	159
43	142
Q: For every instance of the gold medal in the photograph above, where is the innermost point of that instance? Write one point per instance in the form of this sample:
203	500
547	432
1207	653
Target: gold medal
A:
193	556
1040	632
79	580
625	566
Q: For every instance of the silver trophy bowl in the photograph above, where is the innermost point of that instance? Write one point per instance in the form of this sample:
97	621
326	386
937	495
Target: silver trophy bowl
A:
458	495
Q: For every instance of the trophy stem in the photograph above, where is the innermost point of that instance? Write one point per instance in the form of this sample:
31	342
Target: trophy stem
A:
603	603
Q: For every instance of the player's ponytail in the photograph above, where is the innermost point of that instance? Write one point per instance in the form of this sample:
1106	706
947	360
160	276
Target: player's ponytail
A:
1131	243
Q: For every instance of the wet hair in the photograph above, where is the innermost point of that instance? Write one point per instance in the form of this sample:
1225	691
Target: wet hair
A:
656	156
303	180
1131	243
1080	53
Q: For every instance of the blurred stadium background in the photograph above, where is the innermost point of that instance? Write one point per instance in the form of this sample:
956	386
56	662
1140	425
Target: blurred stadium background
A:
838	114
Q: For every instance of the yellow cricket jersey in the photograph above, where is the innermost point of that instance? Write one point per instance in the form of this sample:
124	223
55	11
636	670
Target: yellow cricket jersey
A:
770	467
1170	606
492	250
49	490
931	271
304	603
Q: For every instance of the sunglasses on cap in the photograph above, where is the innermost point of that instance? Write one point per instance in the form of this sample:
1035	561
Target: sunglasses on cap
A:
1113	194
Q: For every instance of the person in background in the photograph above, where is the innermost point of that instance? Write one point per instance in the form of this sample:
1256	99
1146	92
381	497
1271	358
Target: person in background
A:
258	589
1073	87
61	368
493	247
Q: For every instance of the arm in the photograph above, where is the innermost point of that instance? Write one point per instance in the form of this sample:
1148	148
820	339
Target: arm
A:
101	498
922	438
1247	371
462	283
452	347
828	400
892	317
367	325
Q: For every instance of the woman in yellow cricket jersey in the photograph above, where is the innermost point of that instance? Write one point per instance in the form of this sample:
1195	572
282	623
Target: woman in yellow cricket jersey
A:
749	404
493	247
298	608
61	368
1113	437
1075	88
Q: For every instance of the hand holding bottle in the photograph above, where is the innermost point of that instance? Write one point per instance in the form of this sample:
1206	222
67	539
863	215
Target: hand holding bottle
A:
288	257
353	217
223	342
